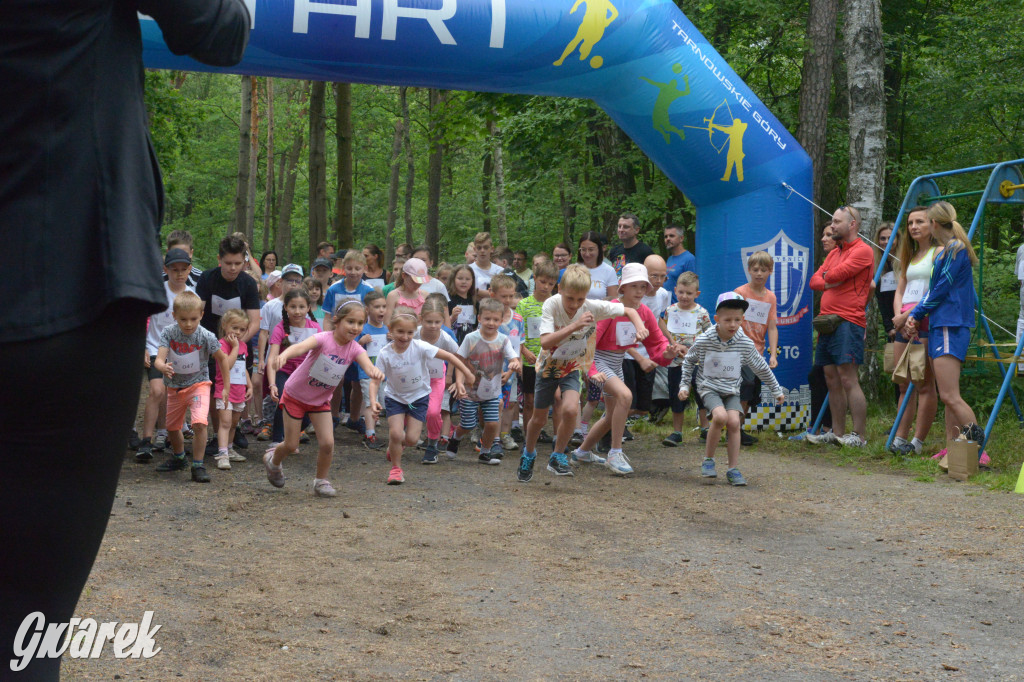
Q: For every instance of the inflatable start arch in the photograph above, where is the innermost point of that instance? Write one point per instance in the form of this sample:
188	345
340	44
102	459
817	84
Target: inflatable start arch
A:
641	61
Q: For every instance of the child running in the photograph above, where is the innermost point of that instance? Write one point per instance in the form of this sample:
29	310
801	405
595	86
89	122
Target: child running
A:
307	392
431	330
183	357
682	322
407	293
233	325
462	301
404	362
545	277
373	339
718	355
503	288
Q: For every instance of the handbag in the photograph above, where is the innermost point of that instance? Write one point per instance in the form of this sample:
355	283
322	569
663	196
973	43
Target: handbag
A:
911	365
826	324
889	358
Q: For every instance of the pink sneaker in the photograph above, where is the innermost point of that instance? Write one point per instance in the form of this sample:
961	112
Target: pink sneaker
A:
396	477
939	455
984	460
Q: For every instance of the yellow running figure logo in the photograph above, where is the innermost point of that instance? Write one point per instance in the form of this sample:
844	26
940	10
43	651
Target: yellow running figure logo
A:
734	138
667	94
597	17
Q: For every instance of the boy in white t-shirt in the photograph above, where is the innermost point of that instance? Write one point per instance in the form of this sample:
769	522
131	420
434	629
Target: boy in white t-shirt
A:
483	268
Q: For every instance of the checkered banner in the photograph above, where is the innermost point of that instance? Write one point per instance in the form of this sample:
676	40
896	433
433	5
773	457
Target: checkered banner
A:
792	415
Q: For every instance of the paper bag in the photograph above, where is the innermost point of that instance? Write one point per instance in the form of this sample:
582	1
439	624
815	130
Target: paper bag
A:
911	365
889	359
962	457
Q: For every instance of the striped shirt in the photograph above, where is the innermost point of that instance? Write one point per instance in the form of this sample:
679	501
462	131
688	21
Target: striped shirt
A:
709	349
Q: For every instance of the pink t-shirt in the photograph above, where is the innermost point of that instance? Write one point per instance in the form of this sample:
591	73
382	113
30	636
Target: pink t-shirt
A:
237	392
295	335
322	370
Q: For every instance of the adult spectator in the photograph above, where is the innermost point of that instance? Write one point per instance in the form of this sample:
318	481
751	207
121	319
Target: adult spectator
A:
251	265
182	239
505	258
560	256
521	265
885	292
432	285
845	280
321	272
404	250
543	258
631	250
816	377
324	250
76	167
337	264
375	275
679	259
268	262
604	283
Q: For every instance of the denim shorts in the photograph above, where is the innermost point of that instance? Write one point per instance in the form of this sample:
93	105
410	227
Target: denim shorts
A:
949	341
841	347
417	410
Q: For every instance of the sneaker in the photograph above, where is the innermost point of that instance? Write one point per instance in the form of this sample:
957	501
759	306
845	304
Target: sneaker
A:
240	441
199	475
704	434
973	433
707	468
558	464
904	449
605	444
211	448
246	427
658	414
586	457
323	488
735	477
187	432
422	445
826	438
145	451
430	456
852	440
618	463
159	442
359	426
630	421
984	461
451	450
395	476
509	443
940	454
517	433
673	439
275	474
897	443
525	471
442	444
627	435
746	440
310	430
264	433
303	439
223	461
133	439
172	463
577	438
233	456
372	442
544	437
488	458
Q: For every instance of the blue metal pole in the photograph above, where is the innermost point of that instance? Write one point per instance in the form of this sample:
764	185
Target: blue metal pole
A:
1002	394
899	415
821	415
1002	371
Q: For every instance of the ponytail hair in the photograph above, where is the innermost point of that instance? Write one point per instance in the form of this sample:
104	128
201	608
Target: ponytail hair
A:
944	214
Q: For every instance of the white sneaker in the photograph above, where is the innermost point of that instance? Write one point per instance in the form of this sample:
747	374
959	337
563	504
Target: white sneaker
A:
618	463
234	456
509	443
587	457
852	440
323	488
827	438
223	461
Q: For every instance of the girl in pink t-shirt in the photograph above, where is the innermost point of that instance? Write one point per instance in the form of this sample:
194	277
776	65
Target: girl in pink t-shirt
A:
232	327
307	392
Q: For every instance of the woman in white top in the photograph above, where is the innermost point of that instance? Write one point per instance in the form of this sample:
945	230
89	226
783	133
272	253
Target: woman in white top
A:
917	251
604	283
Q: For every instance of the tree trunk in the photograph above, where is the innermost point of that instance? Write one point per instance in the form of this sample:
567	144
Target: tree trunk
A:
434	169
244	132
816	85
410	165
268	210
568	208
396	171
499	181
343	121
254	158
317	167
283	233
485	190
865	63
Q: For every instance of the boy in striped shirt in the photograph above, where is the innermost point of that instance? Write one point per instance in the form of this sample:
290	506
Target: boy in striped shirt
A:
718	355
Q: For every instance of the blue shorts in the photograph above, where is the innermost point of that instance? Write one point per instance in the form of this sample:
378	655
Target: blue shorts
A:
841	347
949	341
417	410
352	373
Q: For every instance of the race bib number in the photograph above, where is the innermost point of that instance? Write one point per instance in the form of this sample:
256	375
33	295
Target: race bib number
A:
915	291
435	368
184	364
515	340
407	379
467	315
376	344
488	388
625	334
571	349
682	322
533	327
888	282
222	305
757	312
238	372
722	365
301	334
327	371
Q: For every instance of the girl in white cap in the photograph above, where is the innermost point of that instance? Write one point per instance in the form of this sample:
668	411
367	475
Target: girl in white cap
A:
407	289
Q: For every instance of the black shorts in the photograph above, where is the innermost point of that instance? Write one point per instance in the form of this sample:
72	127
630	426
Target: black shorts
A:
152	372
750	386
529	382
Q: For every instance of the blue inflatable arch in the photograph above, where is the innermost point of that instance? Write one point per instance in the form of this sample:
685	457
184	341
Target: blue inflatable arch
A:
641	61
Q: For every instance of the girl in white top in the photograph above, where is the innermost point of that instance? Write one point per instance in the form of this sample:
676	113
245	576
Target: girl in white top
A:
917	251
405	364
604	283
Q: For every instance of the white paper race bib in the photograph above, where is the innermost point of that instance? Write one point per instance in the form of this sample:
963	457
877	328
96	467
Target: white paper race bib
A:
682	322
327	371
625	333
301	334
184	364
238	372
571	349
488	388
222	305
515	339
915	291
722	365
757	312
407	379
533	327
376	344
467	314
435	368
888	282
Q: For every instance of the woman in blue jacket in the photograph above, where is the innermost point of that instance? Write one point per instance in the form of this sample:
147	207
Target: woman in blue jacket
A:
949	307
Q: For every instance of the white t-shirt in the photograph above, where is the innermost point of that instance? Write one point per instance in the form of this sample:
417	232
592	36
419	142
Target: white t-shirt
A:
444	342
658	304
435	286
160	321
483	277
602	278
271	314
408	375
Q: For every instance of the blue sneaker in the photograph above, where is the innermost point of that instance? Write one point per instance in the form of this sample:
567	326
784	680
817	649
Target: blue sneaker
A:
586	457
430	455
558	464
525	471
735	477
707	468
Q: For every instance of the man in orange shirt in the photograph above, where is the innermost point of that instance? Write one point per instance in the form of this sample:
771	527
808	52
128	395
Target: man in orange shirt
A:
845	280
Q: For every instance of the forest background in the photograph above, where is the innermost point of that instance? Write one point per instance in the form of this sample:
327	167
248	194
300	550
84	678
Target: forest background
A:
877	93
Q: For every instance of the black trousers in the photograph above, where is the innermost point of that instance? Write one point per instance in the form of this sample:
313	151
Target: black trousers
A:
71	401
641	383
819	389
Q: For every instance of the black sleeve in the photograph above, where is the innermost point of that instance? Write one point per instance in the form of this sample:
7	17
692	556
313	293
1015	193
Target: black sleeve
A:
203	287
214	32
250	293
885	302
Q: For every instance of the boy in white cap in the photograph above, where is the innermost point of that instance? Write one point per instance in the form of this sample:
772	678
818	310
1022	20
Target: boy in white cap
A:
718	355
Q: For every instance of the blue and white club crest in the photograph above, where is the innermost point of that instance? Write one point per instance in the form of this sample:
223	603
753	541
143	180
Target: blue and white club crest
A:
789	277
